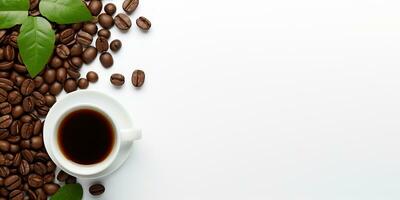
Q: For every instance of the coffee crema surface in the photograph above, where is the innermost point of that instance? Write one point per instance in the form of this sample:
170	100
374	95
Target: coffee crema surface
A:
86	136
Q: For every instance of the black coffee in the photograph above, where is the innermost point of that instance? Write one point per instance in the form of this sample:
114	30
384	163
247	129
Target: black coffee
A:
86	136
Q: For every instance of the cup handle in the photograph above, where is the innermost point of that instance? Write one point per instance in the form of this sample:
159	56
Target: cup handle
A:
129	135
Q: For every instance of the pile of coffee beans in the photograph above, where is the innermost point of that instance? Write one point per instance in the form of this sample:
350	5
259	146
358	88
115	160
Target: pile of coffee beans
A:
26	170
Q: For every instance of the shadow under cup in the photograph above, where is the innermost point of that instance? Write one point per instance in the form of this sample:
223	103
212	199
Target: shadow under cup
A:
86	140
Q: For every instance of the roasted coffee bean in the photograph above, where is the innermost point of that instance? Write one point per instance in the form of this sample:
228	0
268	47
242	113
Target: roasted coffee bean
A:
26	118
4	146
6	65
39	98
76	50
41	157
63	51
117	79
51	188
43	110
12	182
143	23
2	35
61	74
115	45
4	74
95	7
40	168
73	73
14	97
15	127
138	78
4	172
27	87
41	195
17	160
26	131
19	80
106	21
14	139
96	189
130	5
82	84
3	192
27	155
38	80
28	104
48	178
90	53
110	8
49	76
104	33
35	181
17	111
36	142
70	85
20	68
76	26
56	88
123	22
62	176
56	62
25	144
5	121
6	84
37	127
101	44
9	53
3	95
50	100
31	194
76	62
70	180
84	38
4	133
90	28
24	168
5	108
16	195
106	60
67	35
14	148
51	166
44	88
92	77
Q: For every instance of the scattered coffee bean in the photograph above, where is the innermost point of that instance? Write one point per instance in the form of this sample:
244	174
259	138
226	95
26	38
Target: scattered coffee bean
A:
51	188
76	50
82	84
92	77
110	8
115	45
90	28
96	189
70	85
104	33
123	22
95	7
62	176
101	44
49	76
63	51
106	60
90	54
56	88
55	62
138	78
143	23
130	5
70	180
50	100
106	21
117	79
61	74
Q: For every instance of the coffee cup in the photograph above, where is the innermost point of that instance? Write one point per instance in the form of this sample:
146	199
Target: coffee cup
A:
124	133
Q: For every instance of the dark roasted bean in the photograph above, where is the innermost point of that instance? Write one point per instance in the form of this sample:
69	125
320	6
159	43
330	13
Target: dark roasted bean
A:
117	79
70	85
130	5
123	22
35	181
106	21
96	189
110	8
27	87
95	7
138	78
101	44
84	38
104	33
90	53
143	23
12	182
92	77
106	60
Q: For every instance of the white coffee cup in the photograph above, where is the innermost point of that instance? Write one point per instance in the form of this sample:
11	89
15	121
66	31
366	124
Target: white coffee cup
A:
124	132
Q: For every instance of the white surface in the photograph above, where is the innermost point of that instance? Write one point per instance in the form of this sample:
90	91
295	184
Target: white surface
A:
283	100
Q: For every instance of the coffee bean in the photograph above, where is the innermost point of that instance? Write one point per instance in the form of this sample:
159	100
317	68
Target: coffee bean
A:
51	166
4	146
9	53
6	65
70	180
15	127
51	188
14	139
4	172
36	142
41	195
61	74
96	189
19	80
76	50
115	45
104	33
44	88
138	78
63	51
62	176
106	21
12	182
40	168
5	121
67	35
123	22
101	44
4	74
130	5
110	8
28	104
4	133
6	84
3	95
70	85
24	168
73	73
76	62
27	155
26	130
56	62
17	161
26	118
14	148
56	88
117	79
14	97
90	28
90	53
50	100
25	144
35	181
82	84
20	68
49	76
48	178
143	23
37	126
84	38
17	111
92	77
27	87
95	7
16	195
5	108
43	110
38	80
106	60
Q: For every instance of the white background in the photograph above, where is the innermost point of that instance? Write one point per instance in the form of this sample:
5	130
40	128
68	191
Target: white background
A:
273	99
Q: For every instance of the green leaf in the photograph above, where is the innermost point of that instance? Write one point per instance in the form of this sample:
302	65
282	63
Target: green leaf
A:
69	192
65	11
13	12
36	43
